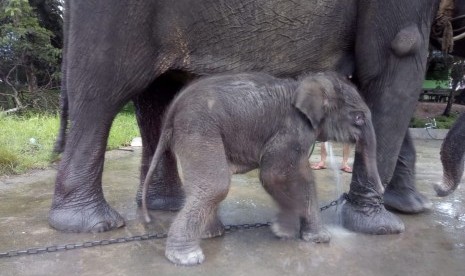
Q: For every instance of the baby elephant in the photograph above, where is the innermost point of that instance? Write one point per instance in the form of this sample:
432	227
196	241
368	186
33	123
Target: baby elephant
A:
228	124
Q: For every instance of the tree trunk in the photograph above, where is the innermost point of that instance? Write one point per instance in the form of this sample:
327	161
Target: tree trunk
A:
15	94
450	101
449	104
31	78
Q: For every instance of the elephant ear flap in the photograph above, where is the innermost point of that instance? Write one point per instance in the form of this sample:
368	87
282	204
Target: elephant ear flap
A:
315	97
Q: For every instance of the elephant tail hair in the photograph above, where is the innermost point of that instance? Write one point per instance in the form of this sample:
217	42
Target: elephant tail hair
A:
452	158
61	138
163	144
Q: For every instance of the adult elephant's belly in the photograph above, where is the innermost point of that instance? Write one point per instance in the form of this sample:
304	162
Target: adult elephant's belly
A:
275	64
283	38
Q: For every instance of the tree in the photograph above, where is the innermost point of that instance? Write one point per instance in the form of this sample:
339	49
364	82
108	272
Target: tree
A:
445	67
457	75
27	57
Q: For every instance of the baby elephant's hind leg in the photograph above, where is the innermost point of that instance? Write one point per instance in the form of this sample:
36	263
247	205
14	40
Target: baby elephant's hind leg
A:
205	176
289	181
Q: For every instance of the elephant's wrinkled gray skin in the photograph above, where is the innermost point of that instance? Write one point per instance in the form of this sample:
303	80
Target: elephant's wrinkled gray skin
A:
452	158
147	50
228	124
453	146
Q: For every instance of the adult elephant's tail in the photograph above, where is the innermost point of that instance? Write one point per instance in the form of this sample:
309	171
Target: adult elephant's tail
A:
452	158
64	105
61	138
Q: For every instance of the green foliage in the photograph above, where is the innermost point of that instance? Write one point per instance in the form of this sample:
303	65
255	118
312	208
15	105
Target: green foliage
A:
417	123
124	128
22	35
446	68
446	122
29	139
29	63
26	141
442	122
8	161
437	67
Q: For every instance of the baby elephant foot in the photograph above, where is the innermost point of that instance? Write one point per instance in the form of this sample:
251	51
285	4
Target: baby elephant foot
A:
185	257
214	229
285	228
321	236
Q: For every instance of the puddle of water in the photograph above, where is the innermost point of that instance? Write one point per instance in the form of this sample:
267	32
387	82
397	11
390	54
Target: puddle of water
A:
446	208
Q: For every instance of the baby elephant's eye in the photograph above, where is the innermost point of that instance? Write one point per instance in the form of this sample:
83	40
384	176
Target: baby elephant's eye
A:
358	118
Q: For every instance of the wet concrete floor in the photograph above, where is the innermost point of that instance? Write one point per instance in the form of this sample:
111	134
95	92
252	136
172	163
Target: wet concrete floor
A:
433	243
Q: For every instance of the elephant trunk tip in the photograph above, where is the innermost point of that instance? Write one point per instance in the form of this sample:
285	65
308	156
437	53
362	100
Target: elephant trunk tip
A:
146	215
145	212
445	188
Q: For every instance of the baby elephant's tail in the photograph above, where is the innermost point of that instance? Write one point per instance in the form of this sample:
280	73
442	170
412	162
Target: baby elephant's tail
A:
165	138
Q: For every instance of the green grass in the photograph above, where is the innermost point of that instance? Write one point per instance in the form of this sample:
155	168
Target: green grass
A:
26	141
124	128
442	122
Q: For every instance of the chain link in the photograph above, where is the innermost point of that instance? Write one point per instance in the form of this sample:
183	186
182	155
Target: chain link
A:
155	236
336	202
87	244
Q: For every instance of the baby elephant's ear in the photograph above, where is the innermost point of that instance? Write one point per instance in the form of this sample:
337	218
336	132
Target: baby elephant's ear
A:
314	97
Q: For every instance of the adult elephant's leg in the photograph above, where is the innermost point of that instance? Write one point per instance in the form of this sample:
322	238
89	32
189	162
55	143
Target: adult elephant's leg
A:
106	66
78	204
164	192
390	62
401	193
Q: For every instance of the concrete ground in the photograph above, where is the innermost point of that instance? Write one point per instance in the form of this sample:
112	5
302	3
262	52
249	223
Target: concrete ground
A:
433	243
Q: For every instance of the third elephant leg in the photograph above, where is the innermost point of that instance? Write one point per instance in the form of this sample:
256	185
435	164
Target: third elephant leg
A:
391	85
401	193
165	192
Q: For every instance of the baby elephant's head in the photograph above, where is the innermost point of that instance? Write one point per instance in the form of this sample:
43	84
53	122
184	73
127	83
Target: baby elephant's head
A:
334	107
337	112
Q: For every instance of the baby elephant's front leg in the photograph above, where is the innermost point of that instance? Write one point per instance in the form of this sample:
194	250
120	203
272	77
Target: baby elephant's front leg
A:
313	234
295	192
311	227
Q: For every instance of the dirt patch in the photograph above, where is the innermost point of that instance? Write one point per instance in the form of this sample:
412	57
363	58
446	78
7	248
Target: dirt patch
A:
425	110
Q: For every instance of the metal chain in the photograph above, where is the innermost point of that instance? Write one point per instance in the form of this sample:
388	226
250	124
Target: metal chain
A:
87	244
155	236
336	202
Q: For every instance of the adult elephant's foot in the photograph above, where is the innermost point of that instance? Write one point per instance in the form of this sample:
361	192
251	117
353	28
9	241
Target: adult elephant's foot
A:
94	217
370	217
401	193
406	200
161	201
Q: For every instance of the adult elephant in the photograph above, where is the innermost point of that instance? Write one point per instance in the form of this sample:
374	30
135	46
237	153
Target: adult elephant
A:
146	51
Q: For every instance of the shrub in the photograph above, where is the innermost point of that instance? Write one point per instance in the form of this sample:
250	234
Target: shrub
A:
8	161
